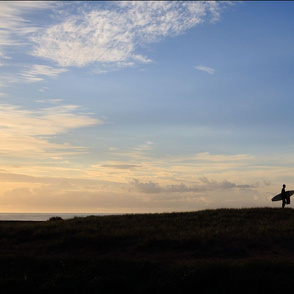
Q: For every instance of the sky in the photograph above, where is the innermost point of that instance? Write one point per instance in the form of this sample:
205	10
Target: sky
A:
145	106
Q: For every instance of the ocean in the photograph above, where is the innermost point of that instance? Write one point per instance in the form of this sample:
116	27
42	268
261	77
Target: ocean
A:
44	216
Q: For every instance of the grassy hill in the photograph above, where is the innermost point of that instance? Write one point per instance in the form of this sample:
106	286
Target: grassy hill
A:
212	251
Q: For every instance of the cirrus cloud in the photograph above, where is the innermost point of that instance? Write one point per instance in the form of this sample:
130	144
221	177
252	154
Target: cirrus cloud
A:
28	132
37	72
15	23
114	37
209	70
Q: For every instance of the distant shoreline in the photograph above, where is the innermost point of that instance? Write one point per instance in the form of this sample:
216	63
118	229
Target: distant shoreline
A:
45	216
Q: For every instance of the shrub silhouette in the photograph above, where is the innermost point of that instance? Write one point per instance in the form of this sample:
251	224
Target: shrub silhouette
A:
55	218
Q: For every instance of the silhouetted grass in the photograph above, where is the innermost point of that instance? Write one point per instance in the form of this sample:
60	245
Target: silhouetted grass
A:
212	251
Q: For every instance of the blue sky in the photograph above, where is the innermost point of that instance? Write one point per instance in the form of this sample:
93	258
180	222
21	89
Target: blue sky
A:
148	106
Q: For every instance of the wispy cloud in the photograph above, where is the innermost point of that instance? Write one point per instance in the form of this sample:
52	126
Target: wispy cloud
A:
115	36
28	132
209	70
49	101
121	166
43	89
37	72
139	152
15	23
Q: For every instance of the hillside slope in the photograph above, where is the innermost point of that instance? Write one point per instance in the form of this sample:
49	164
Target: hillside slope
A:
211	251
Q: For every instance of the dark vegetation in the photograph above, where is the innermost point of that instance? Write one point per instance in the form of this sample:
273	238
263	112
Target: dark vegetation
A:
212	251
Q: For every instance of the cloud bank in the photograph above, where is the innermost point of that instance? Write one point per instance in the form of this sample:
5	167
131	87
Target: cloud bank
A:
205	186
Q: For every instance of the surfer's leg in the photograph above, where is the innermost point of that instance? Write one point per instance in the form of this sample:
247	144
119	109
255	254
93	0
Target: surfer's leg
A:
284	202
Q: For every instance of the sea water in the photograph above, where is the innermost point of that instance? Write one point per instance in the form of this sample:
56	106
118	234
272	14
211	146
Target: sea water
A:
44	216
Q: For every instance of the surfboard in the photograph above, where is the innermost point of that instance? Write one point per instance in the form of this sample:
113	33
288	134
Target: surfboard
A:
279	196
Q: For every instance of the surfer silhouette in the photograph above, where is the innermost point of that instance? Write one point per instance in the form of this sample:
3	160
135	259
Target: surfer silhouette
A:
283	194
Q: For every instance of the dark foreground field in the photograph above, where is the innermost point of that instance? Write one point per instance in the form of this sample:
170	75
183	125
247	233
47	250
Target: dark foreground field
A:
212	251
